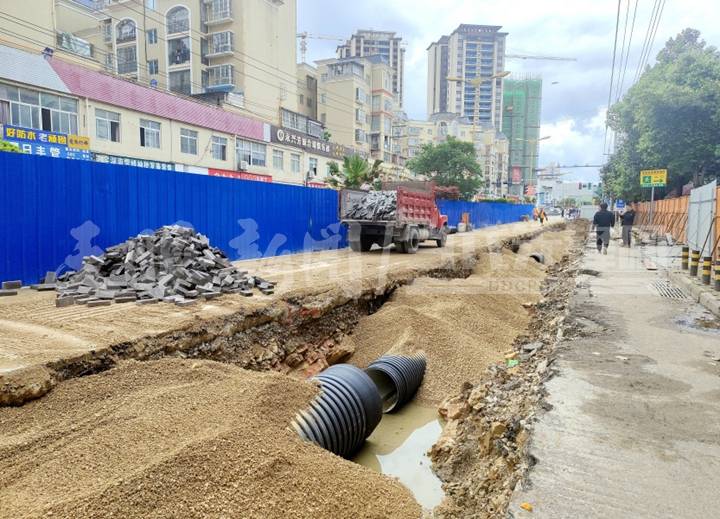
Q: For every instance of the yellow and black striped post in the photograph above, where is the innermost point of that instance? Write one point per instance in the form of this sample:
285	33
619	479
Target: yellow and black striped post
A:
706	270
685	257
694	260
717	274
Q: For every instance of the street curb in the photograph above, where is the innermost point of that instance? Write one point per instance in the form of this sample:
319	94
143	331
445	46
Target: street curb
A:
700	293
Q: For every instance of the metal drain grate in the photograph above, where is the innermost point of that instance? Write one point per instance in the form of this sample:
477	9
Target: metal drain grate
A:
666	289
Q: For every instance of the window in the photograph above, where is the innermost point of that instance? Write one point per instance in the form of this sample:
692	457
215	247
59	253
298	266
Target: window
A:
178	20
180	82
295	163
151	35
127	59
309	102
313	163
179	51
219	148
323	99
150	4
188	141
375	103
31	109
359	95
107	125
222	75
221	42
375	126
153	67
149	134
302	99
125	31
219	10
388	106
359	115
251	152
278	160
360	136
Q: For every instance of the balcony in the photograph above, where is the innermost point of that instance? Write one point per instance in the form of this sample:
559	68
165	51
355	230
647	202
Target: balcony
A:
219	79
220	44
127	67
71	43
217	12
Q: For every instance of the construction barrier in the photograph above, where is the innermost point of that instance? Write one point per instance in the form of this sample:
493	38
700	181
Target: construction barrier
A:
53	212
669	216
483	214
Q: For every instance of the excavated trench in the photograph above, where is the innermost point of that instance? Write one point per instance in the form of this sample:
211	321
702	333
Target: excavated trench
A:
301	336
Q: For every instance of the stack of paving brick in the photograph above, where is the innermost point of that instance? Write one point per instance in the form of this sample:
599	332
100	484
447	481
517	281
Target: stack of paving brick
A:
174	265
375	205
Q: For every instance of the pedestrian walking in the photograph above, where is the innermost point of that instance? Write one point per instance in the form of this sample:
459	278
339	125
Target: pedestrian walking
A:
535	214
603	221
542	216
628	219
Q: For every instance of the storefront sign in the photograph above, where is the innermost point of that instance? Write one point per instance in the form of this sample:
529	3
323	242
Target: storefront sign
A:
48	144
306	142
241	175
516	175
130	161
78	142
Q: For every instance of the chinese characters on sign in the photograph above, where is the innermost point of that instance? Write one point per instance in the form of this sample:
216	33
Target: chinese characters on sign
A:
653	178
242	175
49	144
129	161
306	142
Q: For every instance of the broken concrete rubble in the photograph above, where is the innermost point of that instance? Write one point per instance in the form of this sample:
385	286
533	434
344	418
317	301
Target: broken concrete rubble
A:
175	264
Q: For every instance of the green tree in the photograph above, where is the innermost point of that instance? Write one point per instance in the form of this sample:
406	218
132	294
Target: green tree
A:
451	163
668	119
355	172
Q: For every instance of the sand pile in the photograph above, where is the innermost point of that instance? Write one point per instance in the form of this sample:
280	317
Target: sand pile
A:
462	325
553	244
176	438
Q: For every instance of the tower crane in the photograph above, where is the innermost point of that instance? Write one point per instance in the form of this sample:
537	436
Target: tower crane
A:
303	37
551	58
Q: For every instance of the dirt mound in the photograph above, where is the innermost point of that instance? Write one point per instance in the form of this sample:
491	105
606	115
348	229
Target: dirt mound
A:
462	325
177	438
552	244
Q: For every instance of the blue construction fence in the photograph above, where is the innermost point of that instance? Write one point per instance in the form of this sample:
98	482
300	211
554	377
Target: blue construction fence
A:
483	214
54	212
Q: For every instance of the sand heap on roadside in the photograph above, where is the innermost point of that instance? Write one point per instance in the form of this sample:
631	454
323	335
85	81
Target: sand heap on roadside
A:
462	325
178	438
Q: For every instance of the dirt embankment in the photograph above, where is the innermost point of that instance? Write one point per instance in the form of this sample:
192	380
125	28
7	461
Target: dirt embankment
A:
482	453
180	438
462	325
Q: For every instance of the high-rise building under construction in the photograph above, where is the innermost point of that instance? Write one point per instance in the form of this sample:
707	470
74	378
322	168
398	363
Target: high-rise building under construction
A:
521	125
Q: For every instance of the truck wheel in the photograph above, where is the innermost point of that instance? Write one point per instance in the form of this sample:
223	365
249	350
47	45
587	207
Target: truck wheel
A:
413	242
443	239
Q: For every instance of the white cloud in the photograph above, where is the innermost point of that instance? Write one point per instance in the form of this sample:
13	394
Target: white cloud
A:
584	30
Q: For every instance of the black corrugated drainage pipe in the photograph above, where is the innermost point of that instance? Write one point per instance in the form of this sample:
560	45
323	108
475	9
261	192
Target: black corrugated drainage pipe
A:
344	414
539	257
397	378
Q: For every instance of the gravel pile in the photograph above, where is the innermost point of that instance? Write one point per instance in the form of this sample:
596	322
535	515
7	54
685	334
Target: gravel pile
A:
175	265
375	205
178	438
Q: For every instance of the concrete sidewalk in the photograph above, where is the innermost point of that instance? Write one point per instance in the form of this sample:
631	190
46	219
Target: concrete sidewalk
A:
634	431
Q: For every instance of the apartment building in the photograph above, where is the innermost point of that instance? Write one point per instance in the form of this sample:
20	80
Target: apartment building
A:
358	107
491	147
379	43
244	49
521	124
461	66
50	106
307	84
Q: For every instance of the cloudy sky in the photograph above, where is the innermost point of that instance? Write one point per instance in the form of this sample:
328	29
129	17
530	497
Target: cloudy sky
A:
573	112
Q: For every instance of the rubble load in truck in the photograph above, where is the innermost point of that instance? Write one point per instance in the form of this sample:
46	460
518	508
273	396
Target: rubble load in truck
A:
401	214
175	264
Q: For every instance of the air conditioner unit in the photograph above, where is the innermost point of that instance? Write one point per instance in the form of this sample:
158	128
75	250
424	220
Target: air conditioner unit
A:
244	165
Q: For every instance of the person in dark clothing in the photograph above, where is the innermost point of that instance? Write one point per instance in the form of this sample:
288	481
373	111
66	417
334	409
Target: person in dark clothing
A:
628	219
603	221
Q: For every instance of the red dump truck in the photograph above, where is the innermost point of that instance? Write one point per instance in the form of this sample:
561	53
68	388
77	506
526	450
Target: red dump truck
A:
402	213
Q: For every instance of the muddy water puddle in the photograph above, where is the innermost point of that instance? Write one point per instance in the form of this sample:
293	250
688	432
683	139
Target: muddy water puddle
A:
398	447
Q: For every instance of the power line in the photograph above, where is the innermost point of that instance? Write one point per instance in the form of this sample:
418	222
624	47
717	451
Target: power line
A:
612	74
627	52
654	34
648	31
622	48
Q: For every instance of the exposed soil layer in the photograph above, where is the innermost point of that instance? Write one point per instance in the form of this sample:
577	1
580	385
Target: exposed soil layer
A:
180	438
462	325
318	297
482	453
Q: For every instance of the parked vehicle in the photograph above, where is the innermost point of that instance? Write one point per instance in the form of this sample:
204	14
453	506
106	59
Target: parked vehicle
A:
404	215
